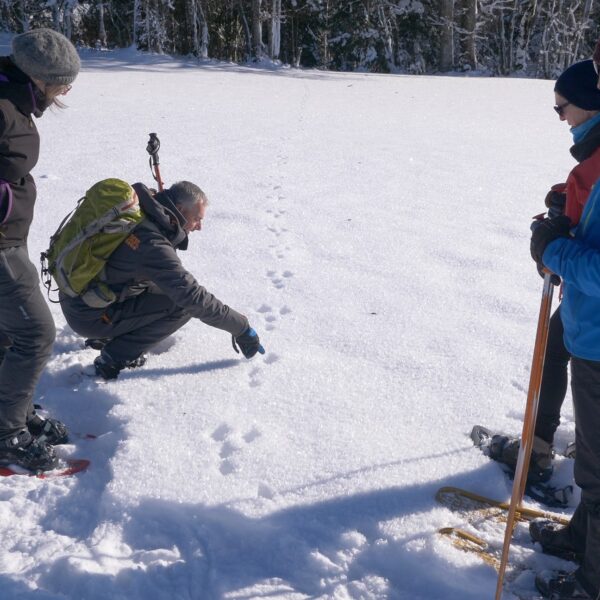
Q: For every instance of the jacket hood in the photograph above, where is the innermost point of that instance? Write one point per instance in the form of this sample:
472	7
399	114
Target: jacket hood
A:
18	88
161	211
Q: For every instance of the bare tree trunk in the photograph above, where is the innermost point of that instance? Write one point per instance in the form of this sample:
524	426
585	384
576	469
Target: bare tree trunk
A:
68	19
388	42
257	29
246	30
447	36
22	15
56	17
136	14
147	26
101	25
275	38
583	25
204	32
294	44
192	19
469	24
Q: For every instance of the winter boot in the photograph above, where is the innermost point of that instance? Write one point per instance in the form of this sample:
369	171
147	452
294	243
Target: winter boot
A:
107	368
506	450
28	452
588	574
51	431
560	540
96	343
557	585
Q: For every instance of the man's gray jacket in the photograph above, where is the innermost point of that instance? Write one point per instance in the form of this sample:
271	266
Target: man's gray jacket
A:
147	261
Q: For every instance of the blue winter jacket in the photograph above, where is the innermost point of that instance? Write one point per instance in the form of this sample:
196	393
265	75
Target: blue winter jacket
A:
577	261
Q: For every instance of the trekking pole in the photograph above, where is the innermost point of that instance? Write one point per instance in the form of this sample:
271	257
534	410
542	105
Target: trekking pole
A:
152	148
531	408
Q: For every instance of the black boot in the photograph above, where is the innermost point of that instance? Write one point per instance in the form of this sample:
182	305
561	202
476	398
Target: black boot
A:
505	449
53	431
588	574
556	585
28	452
96	343
565	541
107	368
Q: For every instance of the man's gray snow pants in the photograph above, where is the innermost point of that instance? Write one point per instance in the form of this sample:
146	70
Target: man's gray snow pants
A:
132	326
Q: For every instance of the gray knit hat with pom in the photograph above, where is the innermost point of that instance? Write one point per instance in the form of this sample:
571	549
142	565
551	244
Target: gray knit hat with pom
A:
46	55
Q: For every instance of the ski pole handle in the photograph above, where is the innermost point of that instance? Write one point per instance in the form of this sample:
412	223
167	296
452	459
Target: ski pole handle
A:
152	148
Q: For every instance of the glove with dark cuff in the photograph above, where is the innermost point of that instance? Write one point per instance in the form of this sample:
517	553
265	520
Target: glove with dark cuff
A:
556	200
554	278
248	343
545	232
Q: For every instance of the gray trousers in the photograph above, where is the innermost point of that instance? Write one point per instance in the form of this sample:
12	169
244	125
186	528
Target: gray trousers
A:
27	333
585	384
132	326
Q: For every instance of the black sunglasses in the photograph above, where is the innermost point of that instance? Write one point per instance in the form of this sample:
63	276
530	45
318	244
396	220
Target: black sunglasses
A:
560	108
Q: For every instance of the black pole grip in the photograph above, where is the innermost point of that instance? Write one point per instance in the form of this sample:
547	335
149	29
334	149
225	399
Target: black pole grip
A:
153	147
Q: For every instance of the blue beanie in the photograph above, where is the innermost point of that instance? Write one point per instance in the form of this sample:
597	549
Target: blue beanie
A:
578	85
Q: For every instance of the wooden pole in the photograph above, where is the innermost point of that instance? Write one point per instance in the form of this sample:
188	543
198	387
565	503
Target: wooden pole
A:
531	408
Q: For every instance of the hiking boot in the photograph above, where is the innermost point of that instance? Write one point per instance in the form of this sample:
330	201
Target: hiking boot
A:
555	539
51	431
506	450
28	452
107	368
96	343
557	585
571	450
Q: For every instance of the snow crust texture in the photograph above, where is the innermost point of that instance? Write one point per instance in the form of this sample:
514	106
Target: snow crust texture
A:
374	229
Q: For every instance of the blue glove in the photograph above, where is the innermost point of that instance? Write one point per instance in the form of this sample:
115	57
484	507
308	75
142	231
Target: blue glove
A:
248	343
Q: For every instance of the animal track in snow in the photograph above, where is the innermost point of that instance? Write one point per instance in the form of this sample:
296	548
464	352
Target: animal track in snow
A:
254	377
279	280
519	386
221	432
276	213
231	446
271	358
271	315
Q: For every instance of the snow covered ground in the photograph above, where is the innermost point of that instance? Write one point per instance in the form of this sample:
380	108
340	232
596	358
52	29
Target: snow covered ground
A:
375	231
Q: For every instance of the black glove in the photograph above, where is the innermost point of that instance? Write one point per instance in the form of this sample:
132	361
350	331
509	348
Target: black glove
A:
545	232
555	201
554	278
248	342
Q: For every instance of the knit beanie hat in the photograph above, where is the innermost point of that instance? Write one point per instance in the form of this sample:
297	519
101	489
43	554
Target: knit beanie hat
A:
46	55
577	84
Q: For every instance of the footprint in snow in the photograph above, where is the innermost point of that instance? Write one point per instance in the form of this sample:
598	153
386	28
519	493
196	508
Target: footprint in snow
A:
231	446
519	386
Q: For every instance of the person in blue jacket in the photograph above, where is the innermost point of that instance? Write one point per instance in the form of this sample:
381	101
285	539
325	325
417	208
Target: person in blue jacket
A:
573	253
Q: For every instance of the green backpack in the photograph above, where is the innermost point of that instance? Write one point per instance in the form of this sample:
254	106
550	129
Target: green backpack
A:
87	237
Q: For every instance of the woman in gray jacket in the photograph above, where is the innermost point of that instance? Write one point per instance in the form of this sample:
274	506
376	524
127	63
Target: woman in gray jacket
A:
41	68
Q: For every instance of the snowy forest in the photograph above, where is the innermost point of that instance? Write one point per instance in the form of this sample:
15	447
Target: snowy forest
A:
537	38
